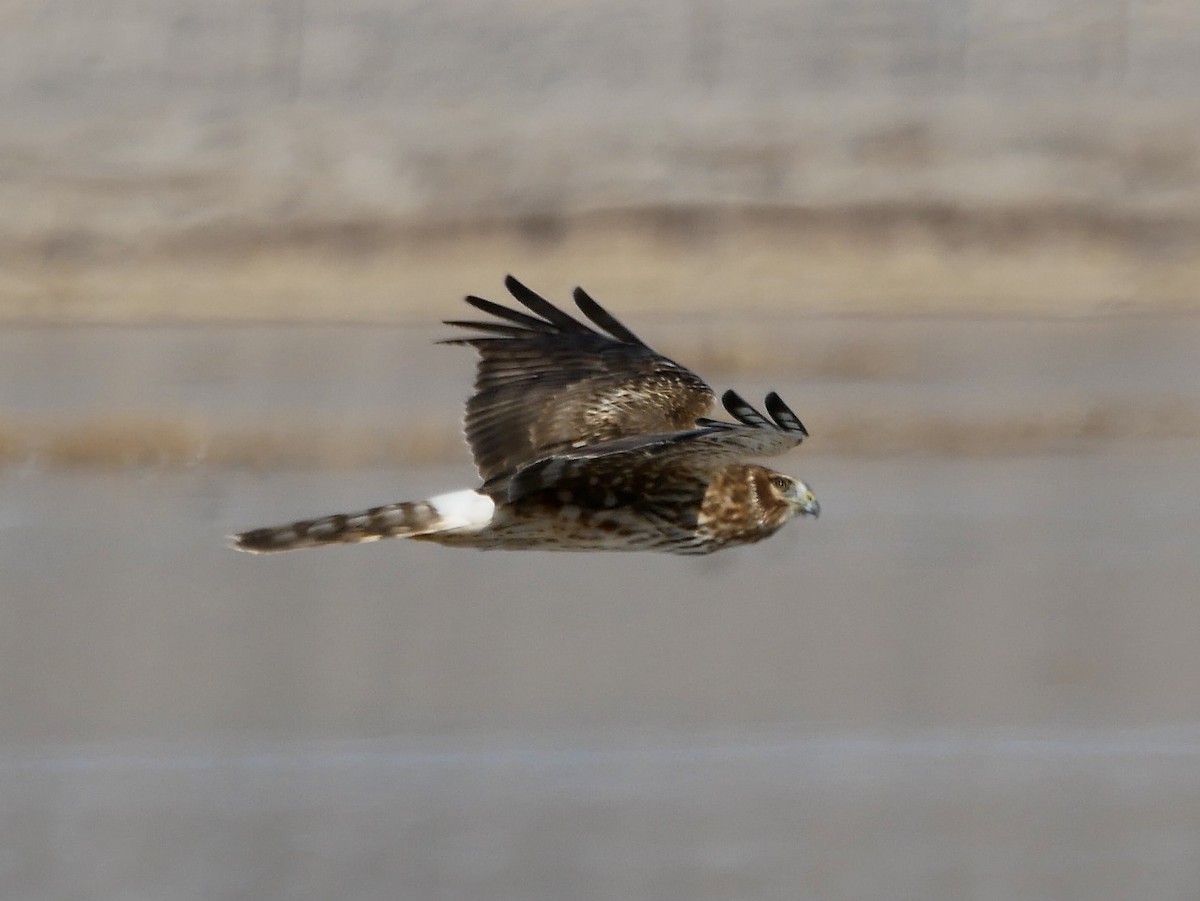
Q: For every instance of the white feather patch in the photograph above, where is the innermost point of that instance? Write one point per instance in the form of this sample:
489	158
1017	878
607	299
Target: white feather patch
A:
466	509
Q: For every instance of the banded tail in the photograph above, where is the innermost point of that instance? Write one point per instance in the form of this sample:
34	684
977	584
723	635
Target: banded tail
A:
453	513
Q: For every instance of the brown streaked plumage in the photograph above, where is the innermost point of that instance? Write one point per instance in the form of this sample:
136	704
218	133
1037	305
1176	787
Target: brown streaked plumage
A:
586	439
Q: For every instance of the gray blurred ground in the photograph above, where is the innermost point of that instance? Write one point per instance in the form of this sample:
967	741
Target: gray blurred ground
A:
974	676
958	237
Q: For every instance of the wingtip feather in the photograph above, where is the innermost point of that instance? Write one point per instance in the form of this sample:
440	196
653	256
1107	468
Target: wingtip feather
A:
601	317
783	415
537	304
737	407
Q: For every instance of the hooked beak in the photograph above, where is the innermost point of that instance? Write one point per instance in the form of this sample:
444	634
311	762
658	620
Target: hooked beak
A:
808	505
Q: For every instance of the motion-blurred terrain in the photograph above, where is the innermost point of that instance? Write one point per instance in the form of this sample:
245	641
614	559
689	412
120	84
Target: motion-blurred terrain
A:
337	160
959	238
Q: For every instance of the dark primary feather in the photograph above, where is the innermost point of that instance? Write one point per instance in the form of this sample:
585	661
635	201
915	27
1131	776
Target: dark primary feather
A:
742	411
603	318
780	413
543	307
515	316
548	382
783	415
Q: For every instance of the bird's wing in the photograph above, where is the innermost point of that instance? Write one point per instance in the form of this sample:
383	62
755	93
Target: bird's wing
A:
547	382
626	467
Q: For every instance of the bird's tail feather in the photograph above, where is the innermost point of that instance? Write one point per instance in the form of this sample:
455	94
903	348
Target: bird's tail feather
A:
459	511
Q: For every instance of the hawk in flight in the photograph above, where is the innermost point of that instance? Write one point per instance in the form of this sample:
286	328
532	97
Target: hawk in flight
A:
587	440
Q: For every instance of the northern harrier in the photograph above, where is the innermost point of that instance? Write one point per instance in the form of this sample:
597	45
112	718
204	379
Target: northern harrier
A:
587	440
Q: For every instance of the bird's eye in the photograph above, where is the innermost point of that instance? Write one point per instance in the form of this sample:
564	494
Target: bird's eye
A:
781	483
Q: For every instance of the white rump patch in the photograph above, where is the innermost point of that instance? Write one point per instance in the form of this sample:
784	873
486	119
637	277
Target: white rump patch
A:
467	510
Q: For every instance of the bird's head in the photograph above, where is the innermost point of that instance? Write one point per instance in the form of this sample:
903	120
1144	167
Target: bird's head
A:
799	497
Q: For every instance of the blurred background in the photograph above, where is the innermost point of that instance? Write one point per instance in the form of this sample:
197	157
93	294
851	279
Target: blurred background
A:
959	237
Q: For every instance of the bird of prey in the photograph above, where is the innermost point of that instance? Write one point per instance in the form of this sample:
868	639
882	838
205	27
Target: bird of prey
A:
587	440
